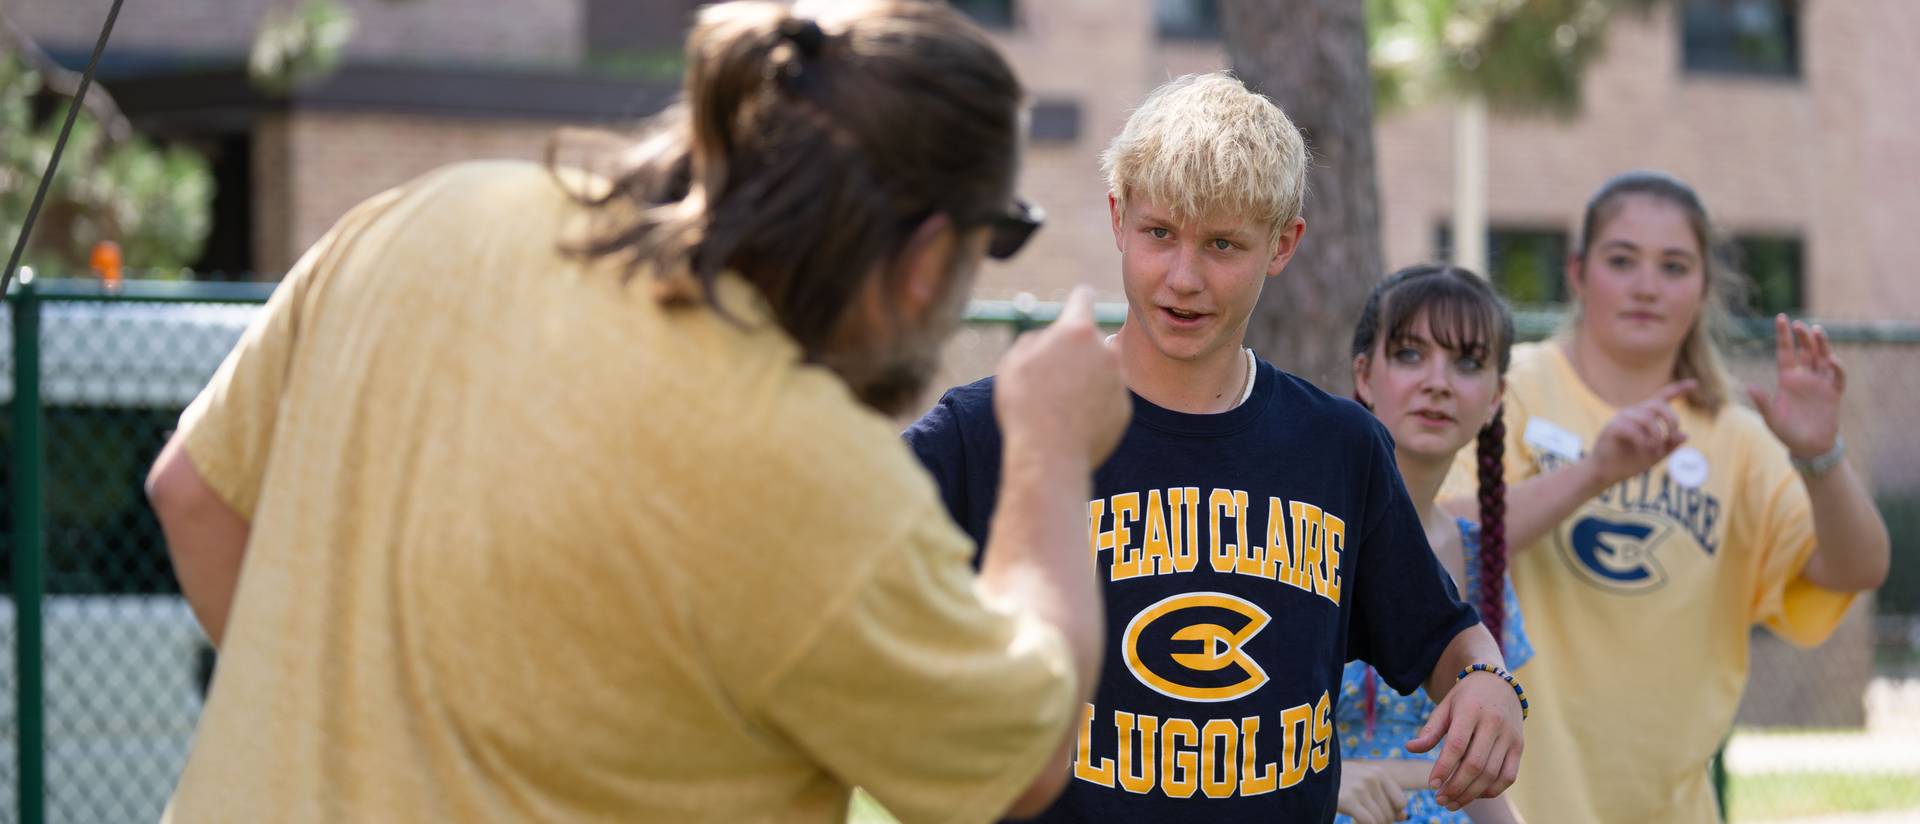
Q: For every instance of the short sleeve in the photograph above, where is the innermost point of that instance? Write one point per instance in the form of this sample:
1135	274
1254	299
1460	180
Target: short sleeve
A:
939	442
941	705
1405	609
1792	607
229	427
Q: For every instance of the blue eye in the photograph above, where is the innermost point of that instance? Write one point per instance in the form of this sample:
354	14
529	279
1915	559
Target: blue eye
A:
1469	364
1159	233
1406	354
1222	244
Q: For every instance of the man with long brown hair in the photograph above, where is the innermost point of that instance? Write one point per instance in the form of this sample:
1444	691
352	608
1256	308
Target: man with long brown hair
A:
565	500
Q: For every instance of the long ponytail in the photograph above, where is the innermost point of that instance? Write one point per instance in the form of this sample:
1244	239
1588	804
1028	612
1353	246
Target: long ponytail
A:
805	151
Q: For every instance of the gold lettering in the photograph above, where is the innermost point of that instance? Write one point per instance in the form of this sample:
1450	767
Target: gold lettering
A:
1083	765
1219	775
1123	723
1179	765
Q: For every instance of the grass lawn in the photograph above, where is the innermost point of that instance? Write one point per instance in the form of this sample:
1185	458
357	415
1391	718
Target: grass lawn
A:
1775	796
865	810
1750	798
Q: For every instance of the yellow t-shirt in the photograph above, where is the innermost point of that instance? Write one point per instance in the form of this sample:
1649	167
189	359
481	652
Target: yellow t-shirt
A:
1639	606
526	546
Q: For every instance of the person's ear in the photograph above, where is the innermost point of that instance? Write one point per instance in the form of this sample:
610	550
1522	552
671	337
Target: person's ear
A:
921	269
1286	245
1576	276
1362	366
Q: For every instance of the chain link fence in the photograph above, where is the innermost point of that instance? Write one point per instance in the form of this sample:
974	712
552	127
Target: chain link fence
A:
103	712
102	719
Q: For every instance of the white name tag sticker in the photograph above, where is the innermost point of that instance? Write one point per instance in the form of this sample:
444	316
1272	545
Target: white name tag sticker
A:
1687	467
1546	436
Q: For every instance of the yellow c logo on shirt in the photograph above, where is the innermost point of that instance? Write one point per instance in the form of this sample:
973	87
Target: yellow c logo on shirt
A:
1193	646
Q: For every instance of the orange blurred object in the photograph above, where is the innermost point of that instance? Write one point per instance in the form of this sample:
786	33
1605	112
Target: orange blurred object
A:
106	262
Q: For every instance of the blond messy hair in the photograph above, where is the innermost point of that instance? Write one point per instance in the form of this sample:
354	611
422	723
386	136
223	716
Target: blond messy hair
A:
1204	146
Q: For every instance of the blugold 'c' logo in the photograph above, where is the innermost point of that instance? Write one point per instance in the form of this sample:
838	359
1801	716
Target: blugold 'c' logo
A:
1617	551
1193	647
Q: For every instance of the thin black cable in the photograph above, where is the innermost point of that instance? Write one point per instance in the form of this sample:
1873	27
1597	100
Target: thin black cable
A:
59	145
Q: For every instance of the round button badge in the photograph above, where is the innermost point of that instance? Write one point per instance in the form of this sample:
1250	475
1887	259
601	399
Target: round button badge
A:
1687	467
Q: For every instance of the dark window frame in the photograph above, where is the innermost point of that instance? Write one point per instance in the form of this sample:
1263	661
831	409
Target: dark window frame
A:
1553	243
1710	40
1757	256
1202	24
995	18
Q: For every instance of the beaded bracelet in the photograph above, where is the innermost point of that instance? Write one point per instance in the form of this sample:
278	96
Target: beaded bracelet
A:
1504	676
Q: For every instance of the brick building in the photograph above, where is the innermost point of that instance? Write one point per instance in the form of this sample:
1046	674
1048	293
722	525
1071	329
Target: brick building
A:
1790	115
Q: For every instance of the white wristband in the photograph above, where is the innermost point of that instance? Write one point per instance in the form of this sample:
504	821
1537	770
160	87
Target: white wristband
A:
1820	465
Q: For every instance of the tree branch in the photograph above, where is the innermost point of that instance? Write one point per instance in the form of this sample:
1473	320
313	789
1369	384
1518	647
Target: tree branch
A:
64	82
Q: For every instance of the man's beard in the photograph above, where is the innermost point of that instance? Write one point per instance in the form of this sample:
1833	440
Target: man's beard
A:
892	386
891	376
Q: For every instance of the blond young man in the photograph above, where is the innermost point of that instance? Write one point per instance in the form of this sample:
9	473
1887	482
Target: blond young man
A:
1251	534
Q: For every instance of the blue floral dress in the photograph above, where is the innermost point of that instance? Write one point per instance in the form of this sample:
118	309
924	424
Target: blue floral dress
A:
1397	718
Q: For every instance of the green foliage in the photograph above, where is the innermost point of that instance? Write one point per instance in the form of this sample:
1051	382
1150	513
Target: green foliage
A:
155	202
637	64
1520	55
297	44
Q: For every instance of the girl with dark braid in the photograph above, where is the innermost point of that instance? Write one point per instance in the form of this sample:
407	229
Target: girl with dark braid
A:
1429	358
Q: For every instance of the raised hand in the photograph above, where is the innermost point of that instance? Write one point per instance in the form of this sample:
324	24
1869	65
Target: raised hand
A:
1060	389
1640	436
1804	410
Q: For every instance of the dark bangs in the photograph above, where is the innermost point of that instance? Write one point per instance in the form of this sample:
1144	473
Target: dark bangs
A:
1463	313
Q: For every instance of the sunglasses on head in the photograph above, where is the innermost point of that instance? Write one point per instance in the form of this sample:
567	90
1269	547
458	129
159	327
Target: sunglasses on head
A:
1011	229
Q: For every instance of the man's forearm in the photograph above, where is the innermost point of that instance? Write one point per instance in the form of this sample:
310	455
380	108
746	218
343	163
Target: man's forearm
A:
1037	559
1037	555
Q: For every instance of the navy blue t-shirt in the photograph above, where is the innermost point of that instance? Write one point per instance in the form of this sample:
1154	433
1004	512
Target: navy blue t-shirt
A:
1247	556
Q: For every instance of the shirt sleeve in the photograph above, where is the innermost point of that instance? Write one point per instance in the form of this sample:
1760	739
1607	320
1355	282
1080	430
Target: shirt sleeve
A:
229	427
941	705
1793	607
939	442
1406	609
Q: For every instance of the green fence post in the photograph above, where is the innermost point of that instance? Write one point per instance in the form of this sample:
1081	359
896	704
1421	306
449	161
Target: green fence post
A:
1720	779
29	457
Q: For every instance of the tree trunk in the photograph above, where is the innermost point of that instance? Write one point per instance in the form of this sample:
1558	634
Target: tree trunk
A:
1310	56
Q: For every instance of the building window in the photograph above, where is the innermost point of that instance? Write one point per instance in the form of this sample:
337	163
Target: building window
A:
1777	267
1054	121
1188	19
1527	265
996	14
1759	37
